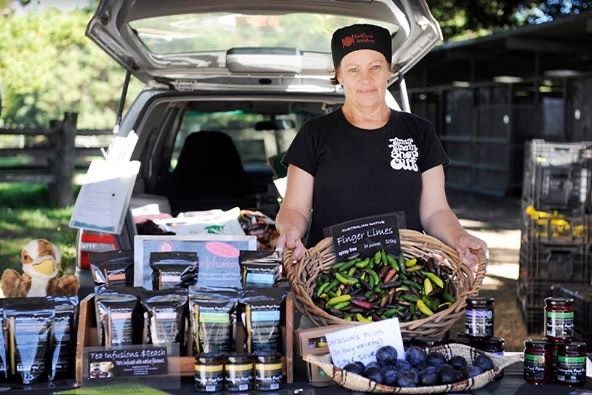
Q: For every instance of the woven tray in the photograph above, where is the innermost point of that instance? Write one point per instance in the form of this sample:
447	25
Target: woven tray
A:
303	274
356	382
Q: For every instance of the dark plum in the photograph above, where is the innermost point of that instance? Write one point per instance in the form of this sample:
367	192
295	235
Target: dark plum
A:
408	378
435	359
361	365
389	375
415	355
457	362
354	367
448	374
429	376
402	364
386	355
372	364
484	362
374	374
472	371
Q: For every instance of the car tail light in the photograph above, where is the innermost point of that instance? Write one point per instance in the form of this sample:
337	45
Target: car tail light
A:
90	242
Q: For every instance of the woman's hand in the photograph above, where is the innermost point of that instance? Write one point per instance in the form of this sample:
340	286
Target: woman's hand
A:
291	241
468	247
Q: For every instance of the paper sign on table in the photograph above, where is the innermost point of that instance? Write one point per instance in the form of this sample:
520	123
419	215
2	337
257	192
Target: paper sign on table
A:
360	342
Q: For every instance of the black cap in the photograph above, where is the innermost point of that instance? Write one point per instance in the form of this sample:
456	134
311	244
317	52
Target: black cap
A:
355	37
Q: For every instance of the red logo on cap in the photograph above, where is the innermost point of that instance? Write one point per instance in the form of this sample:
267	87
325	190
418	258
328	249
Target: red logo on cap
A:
348	41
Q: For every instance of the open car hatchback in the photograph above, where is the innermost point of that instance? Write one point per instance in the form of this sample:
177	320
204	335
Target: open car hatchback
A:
227	86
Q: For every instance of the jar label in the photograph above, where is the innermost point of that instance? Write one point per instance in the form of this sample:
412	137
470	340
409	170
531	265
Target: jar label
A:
559	323
534	367
570	370
479	323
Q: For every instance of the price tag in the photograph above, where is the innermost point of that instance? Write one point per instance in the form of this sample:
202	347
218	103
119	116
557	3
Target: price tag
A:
364	236
360	342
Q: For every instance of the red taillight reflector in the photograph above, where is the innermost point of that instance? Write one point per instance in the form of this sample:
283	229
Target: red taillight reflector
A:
94	242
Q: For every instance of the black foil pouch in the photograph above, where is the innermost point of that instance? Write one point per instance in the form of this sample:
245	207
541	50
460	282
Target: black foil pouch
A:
3	345
113	268
212	315
173	269
261	315
164	316
119	316
63	348
260	269
28	331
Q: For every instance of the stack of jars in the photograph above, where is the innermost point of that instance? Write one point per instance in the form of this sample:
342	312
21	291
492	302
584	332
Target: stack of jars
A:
479	319
556	358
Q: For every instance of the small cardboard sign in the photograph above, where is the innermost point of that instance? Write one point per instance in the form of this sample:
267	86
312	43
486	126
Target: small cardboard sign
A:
364	236
151	364
360	343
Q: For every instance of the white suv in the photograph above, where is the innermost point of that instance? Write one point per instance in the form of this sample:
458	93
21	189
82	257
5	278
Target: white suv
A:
247	72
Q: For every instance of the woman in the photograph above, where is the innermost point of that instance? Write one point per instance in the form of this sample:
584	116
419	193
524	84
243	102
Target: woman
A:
366	159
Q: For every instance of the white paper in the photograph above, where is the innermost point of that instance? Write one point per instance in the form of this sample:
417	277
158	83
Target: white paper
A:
103	200
281	184
360	342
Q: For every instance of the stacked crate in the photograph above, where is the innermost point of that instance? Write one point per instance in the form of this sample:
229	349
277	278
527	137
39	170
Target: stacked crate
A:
556	237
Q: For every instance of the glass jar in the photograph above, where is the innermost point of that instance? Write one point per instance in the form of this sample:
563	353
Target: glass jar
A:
494	345
570	365
427	342
269	371
209	372
479	318
559	319
538	361
238	372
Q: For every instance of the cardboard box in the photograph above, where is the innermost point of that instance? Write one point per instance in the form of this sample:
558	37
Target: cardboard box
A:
87	337
312	341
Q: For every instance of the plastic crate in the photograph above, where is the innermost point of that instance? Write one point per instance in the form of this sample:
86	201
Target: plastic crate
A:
556	228
553	262
534	320
532	292
557	175
582	296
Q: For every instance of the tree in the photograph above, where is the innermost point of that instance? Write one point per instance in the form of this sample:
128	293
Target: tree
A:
48	67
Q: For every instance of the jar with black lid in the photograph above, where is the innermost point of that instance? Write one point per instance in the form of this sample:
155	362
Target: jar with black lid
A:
479	318
238	372
570	364
559	319
495	345
538	361
269	371
209	372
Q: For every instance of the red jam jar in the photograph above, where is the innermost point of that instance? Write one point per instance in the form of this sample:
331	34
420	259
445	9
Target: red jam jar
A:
559	319
570	364
538	361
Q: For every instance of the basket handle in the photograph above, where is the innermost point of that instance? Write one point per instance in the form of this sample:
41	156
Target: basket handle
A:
481	271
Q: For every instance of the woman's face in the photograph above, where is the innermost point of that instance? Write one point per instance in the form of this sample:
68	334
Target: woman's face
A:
364	75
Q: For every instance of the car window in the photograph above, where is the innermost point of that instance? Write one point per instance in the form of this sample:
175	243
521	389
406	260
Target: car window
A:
254	140
222	30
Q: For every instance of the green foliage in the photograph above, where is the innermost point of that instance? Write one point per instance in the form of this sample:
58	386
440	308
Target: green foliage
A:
23	217
48	66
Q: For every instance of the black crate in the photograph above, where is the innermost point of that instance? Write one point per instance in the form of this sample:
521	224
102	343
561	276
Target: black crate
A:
532	292
558	187
555	262
557	176
582	296
554	228
533	320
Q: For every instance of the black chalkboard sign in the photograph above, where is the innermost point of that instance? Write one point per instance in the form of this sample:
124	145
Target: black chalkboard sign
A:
127	363
364	236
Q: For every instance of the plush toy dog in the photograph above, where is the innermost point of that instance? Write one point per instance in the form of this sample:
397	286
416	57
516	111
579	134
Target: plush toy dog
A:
41	264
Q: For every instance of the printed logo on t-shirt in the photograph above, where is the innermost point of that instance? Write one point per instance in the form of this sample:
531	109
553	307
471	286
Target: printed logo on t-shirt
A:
404	154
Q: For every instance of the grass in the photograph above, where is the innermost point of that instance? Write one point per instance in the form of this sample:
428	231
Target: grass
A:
25	215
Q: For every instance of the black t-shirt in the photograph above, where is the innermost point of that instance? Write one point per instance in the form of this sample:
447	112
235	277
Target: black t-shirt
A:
360	172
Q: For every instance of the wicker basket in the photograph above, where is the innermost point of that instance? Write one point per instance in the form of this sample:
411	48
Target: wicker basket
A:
355	382
303	274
